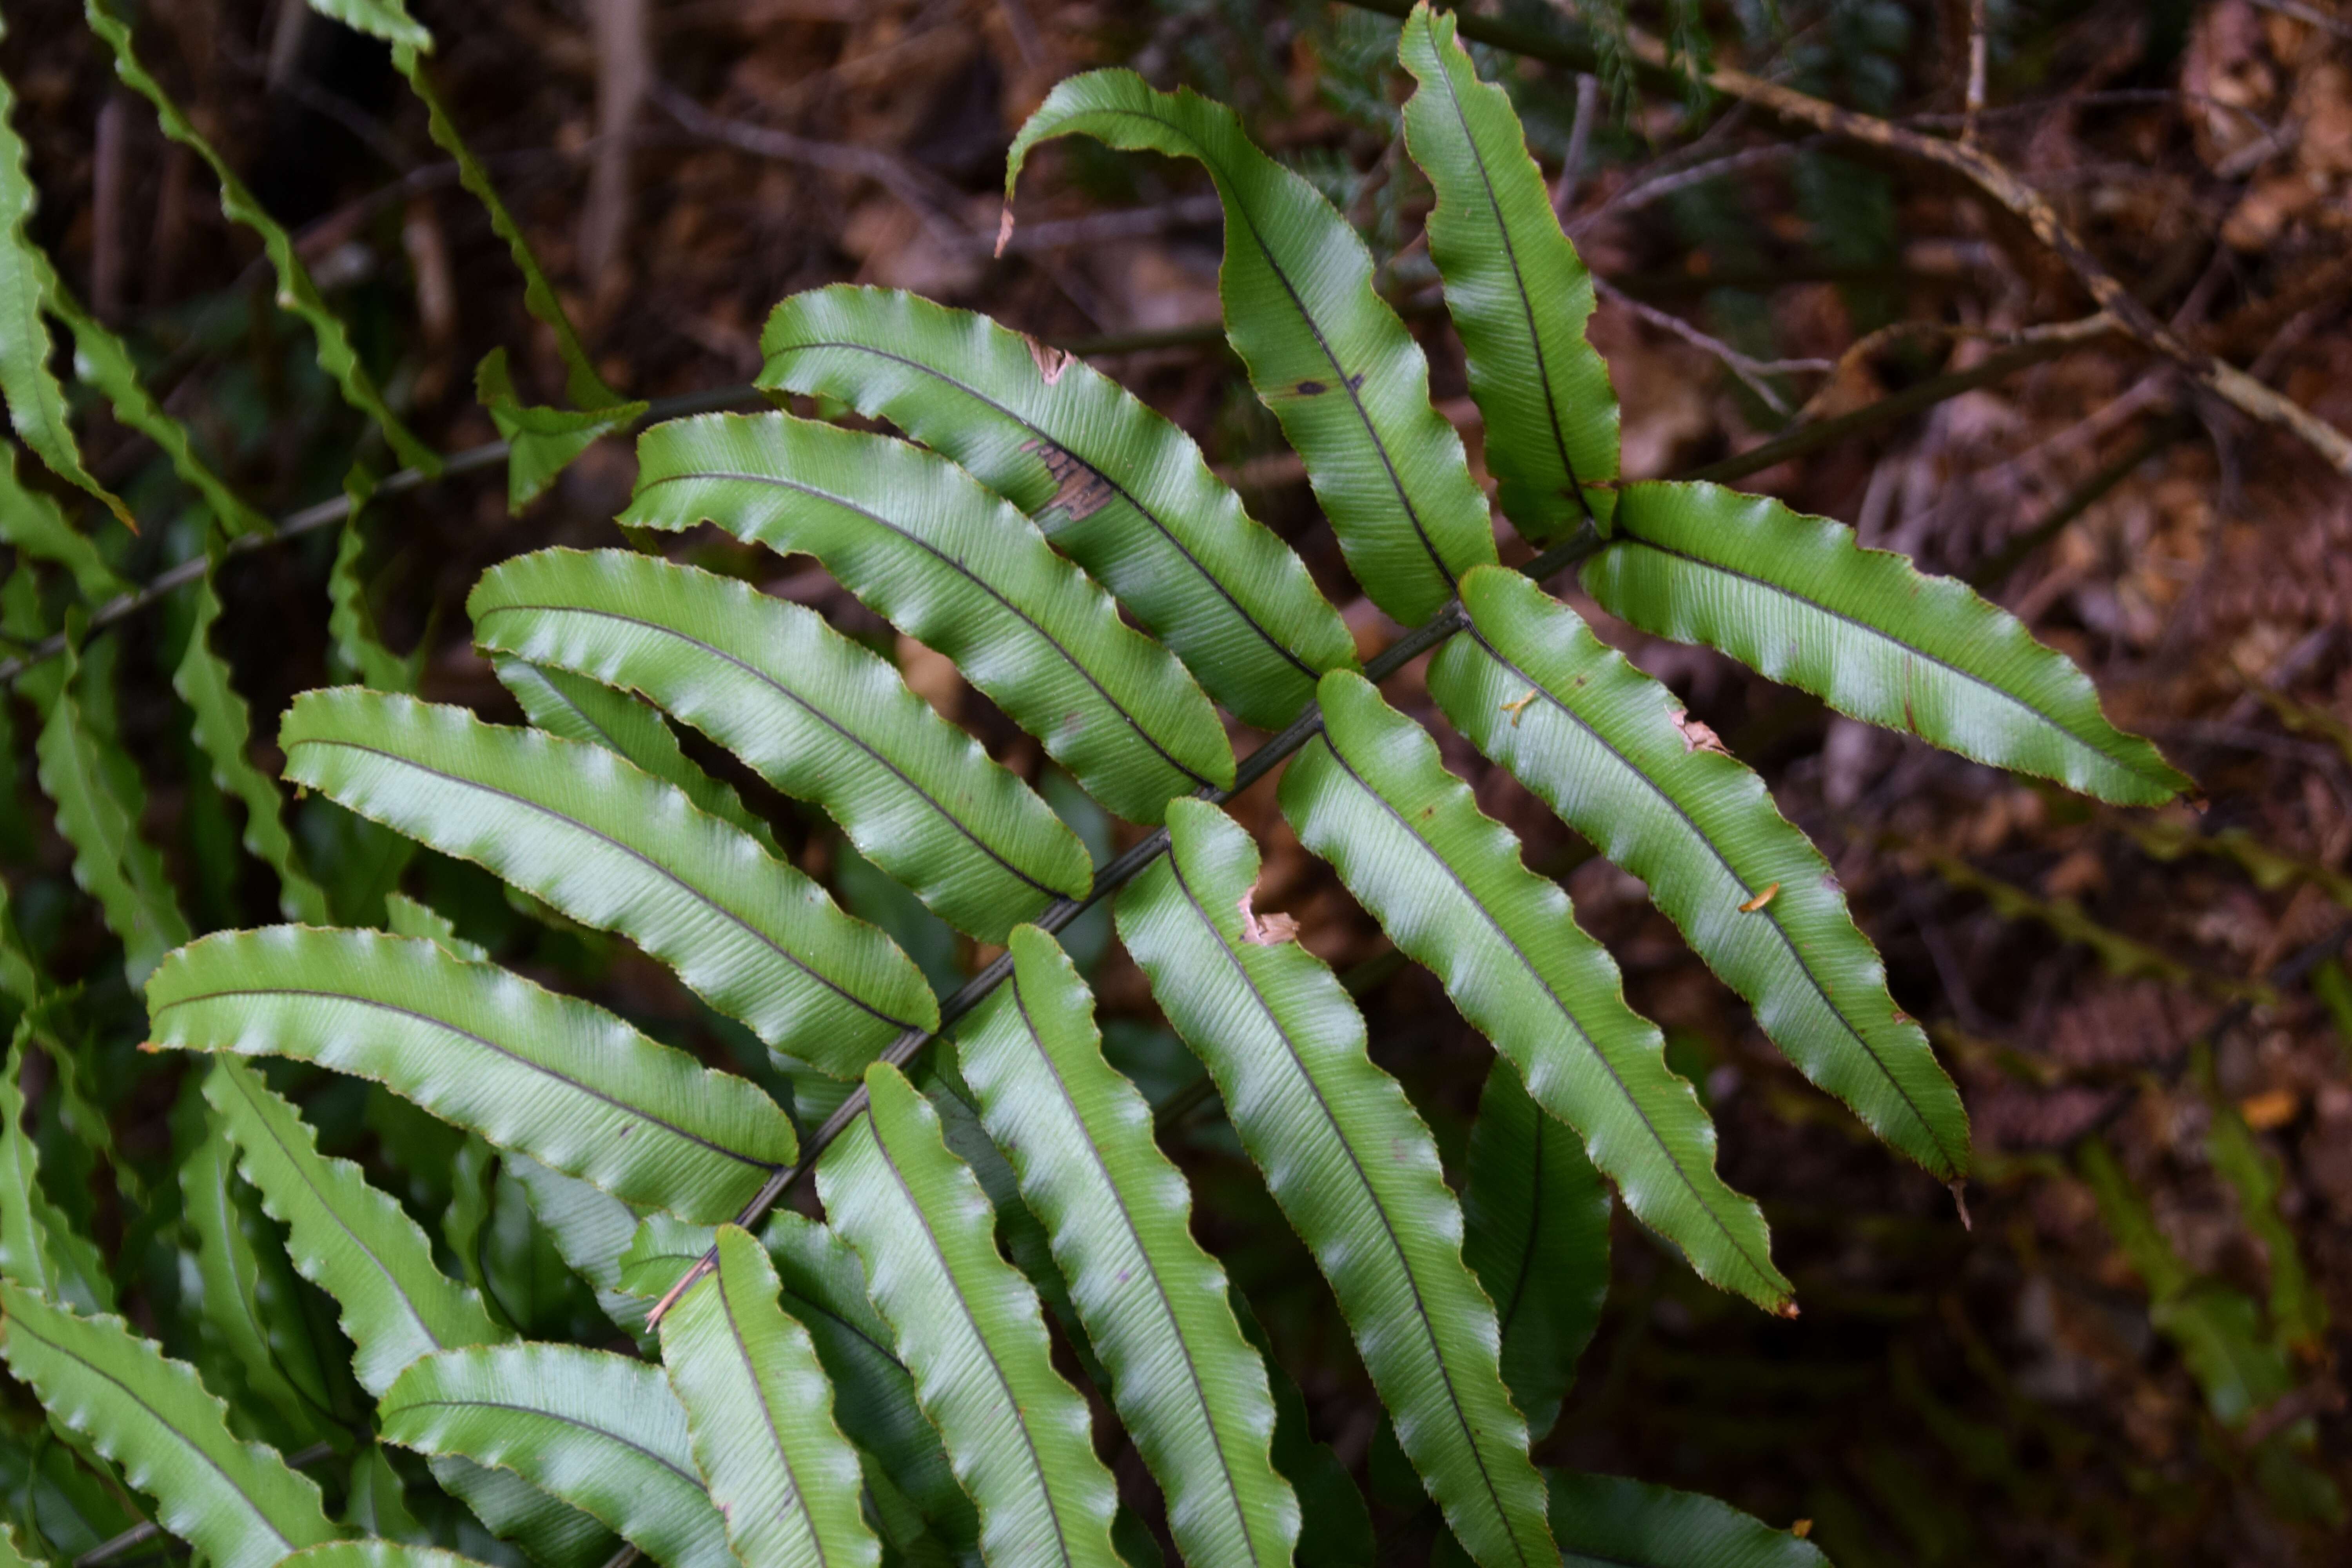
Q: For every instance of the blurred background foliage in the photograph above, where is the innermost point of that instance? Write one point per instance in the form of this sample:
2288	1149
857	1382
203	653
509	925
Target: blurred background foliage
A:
2132	1355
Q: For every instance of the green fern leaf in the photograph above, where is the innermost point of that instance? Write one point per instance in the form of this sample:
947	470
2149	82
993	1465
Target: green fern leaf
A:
1796	598
1608	747
374	1553
1117	488
580	708
1446	882
236	1503
36	403
222	727
1536	1232
971	1331
616	849
815	714
100	800
385	19
218	1209
600	1431
591	1229
39	1249
954	567
540	442
1324	350
1629	1524
547	1076
350	1240
1191	1390
760	1412
37	526
1519	294
296	291
1352	1166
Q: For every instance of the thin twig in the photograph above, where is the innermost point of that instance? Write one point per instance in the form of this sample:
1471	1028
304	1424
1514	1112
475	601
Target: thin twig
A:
1579	135
1750	372
1656	188
1974	104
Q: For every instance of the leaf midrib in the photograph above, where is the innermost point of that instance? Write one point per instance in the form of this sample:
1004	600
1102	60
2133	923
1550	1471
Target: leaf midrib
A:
799	1498
693	1482
966	572
1559	1005
1371	1193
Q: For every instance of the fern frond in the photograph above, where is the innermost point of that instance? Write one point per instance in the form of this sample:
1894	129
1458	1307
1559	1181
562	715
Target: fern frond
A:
591	1229
616	850
296	291
959	570
1609	749
1517	290
385	19
1608	1519
1326	353
236	1503
761	1414
815	714
1191	1391
1447	883
1797	599
600	1431
972	1332
541	442
218	1211
1352	1166
38	1247
37	526
547	1076
1117	487
1535	1218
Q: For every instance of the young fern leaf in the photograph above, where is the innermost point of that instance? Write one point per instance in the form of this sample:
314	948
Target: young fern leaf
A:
1797	599
1447	883
600	1431
540	442
547	1076
615	848
1117	487
39	1249
761	1412
37	526
972	1332
1631	1524
350	1239
1516	292
955	567
1330	358
36	403
296	291
1190	1389
577	708
222	727
1536	1232
1609	749
1352	1166
817	716
236	1503
100	800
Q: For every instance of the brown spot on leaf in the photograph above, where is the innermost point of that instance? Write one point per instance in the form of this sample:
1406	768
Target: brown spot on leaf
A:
1268	930
1312	389
1079	491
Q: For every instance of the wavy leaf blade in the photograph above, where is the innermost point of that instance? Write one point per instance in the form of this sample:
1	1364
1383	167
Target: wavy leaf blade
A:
956	568
1353	1167
760	1412
1326	353
34	522
39	1249
1117	488
1609	750
1610	1521
1536	1232
600	1431
236	1503
1795	598
1517	290
1447	884
547	1076
817	716
350	1239
1191	1390
296	291
971	1331
222	727
615	848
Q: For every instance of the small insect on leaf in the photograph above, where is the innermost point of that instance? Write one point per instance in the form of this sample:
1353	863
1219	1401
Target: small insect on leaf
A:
1771	890
1268	930
1518	705
1698	736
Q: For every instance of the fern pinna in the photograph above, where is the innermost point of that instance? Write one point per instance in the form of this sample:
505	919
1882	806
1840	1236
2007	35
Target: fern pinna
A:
884	1386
